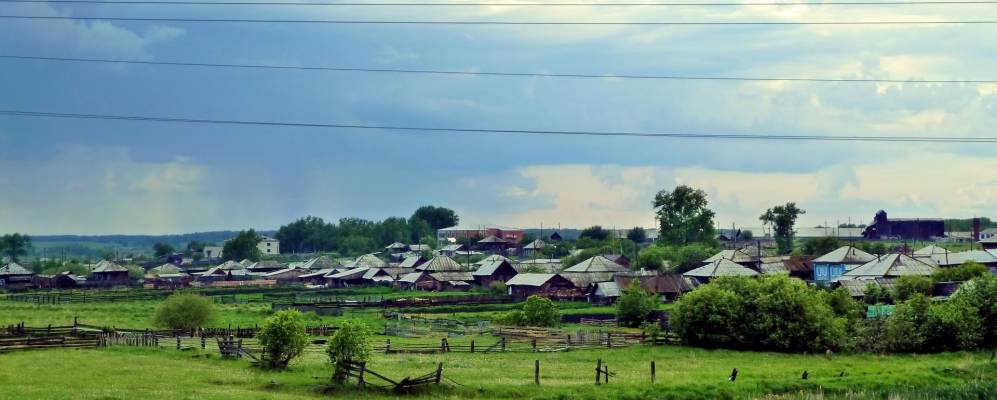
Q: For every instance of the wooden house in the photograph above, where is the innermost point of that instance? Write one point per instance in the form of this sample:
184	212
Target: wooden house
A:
106	273
494	271
14	276
549	285
668	286
829	267
493	245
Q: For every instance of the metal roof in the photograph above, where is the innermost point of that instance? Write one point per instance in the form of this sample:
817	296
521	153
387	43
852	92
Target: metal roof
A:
953	259
536	244
14	269
890	265
452	276
737	256
411	262
529	279
370	261
489	268
492	239
722	267
107	266
410	277
583	279
596	264
846	255
440	264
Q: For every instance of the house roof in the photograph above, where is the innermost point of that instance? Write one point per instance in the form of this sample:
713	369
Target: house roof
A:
846	255
492	239
529	279
786	264
266	264
355	273
452	276
14	269
370	261
596	264
488	269
721	267
581	280
410	277
165	269
411	262
419	247
736	256
536	244
492	258
607	289
107	266
230	265
321	262
890	265
451	247
440	264
321	272
930	250
372	273
950	259
395	246
992	239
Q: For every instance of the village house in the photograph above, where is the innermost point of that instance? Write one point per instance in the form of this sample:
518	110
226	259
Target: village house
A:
592	270
493	245
549	285
829	267
106	273
14	276
454	233
889	266
493	271
736	256
721	267
668	286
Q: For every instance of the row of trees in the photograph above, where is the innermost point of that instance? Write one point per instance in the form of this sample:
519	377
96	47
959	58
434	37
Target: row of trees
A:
15	245
355	235
783	314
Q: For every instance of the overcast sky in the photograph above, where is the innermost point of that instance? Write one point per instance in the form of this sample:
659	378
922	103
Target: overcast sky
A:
98	177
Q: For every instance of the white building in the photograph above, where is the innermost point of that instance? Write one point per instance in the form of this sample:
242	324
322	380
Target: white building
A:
268	245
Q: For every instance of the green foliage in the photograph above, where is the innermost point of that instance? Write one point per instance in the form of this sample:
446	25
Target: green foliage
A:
981	294
635	306
595	232
436	217
15	245
683	216
782	218
537	311
875	294
162	249
527	239
497	287
243	246
906	287
655	257
283	336
184	311
637	235
872	247
135	272
964	272
351	343
820	246
675	259
905	327
768	313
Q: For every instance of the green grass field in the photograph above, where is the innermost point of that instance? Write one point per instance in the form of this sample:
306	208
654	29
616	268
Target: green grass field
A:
682	372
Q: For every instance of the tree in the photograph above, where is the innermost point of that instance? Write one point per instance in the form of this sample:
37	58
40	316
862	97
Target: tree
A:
162	249
655	257
15	245
350	344
595	232
964	272
527	239
284	337
683	216
747	235
820	246
782	218
184	311
194	248
437	217
907	286
635	306
243	246
637	235
537	311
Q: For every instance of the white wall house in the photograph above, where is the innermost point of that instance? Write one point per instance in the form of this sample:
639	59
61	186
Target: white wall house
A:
269	245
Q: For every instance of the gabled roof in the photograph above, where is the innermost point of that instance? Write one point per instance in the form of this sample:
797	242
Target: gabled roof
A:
419	247
14	269
536	244
322	272
370	261
890	265
355	273
596	264
411	277
440	264
372	273
230	266
488	269
846	255
736	256
321	262
492	258
411	262
930	250
581	280
722	267
107	266
166	269
607	289
530	279
492	239
952	259
452	276
266	264
451	247
395	246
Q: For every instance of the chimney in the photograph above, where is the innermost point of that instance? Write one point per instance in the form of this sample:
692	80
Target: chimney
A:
976	229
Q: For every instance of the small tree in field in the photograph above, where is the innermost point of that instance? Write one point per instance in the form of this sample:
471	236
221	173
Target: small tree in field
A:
184	311
350	343
284	337
540	311
634	307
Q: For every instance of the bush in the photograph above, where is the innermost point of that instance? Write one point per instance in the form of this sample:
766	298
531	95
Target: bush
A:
635	306
968	270
497	287
283	336
904	331
537	311
981	294
907	286
768	313
184	311
350	343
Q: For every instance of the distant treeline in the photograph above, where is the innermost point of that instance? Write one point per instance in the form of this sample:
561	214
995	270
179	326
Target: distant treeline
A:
966	225
98	246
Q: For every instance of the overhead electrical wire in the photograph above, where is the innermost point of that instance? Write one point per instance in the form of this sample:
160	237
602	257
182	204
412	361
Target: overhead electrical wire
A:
496	73
499	4
405	129
520	23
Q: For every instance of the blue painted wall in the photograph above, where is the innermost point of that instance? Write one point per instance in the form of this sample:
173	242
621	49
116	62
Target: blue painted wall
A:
826	272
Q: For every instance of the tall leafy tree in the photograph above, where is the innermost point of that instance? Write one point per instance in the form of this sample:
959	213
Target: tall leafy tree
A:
243	246
637	235
162	249
782	218
437	217
595	232
15	245
683	216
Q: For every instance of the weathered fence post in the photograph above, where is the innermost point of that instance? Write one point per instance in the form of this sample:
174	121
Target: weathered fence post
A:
733	375
178	342
609	339
536	372
439	372
363	368
598	371
203	344
472	346
534	343
387	346
503	344
653	378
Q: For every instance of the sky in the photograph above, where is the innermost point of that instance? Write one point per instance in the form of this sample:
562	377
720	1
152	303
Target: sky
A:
66	176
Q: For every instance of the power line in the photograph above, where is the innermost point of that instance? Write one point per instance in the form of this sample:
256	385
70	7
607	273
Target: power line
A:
403	129
575	4
521	23
496	73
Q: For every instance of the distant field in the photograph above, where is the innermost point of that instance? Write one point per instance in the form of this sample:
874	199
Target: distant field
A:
683	373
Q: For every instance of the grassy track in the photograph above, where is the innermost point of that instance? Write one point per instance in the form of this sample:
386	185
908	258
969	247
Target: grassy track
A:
683	373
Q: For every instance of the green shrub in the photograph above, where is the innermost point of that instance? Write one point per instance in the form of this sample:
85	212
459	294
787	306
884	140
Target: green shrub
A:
964	272
905	328
351	343
635	306
283	336
907	286
497	287
184	311
537	311
981	293
709	316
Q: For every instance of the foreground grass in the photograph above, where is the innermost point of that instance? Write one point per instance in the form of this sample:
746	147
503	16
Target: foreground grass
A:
683	373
